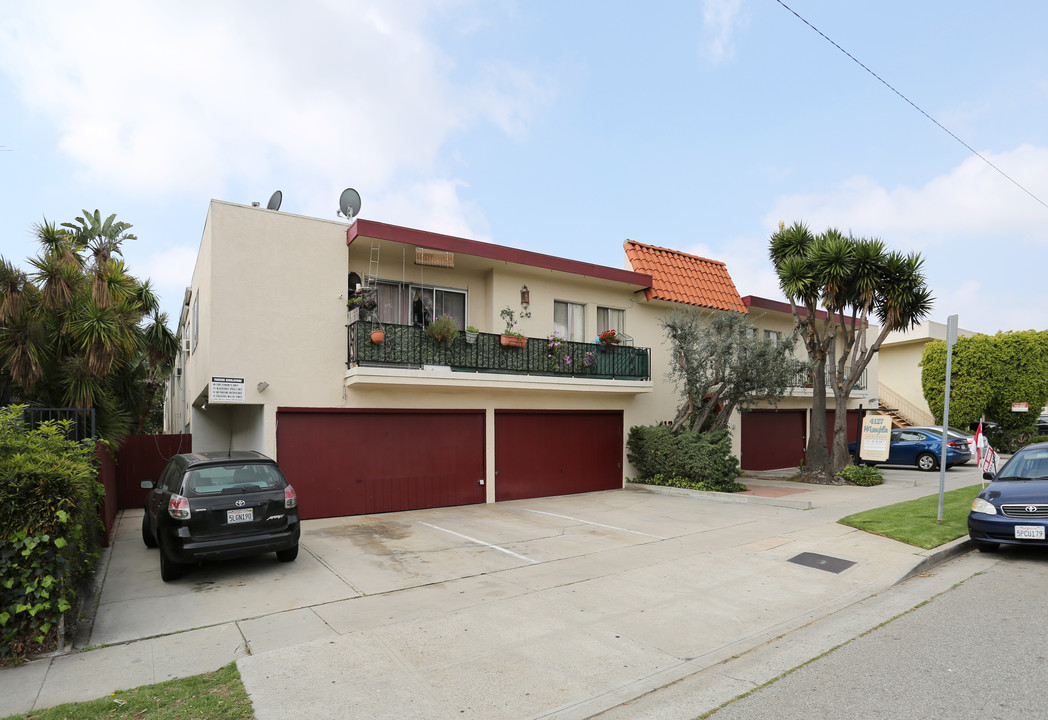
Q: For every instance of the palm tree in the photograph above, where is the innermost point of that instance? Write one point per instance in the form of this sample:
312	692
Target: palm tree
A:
81	331
851	279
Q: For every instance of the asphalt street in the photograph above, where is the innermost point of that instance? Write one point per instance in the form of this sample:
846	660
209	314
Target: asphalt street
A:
975	651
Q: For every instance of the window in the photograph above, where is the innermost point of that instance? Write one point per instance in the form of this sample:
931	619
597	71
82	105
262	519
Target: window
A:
408	304
196	321
611	319
773	336
569	320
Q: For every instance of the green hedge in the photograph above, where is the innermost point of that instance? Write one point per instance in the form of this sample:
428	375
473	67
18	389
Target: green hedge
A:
50	530
865	475
700	459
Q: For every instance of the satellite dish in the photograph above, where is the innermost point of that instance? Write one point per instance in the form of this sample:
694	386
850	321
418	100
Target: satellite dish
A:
274	201
349	203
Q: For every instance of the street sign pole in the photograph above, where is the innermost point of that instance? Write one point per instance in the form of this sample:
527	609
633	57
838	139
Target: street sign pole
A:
951	338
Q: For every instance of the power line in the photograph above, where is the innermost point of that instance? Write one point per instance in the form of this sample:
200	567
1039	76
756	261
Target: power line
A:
914	105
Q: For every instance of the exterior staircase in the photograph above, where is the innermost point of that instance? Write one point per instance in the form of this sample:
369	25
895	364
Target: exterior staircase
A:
903	413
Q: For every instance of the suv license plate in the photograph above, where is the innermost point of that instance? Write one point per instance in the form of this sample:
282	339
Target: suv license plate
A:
240	516
1029	532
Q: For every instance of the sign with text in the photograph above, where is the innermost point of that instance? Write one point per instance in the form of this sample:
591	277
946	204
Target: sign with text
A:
226	390
1020	407
876	438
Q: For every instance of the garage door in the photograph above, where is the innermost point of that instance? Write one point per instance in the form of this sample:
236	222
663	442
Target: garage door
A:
853	428
772	440
543	452
353	462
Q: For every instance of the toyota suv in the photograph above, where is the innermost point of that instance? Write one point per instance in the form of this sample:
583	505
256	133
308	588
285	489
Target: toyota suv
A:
218	505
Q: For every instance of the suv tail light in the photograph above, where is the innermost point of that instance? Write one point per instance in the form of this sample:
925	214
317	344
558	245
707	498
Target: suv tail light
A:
178	507
290	498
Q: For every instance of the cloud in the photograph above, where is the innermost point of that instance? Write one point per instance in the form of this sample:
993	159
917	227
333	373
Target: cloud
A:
969	205
153	99
981	237
720	20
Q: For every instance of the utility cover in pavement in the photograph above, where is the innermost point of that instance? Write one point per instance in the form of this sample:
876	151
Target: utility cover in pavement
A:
822	562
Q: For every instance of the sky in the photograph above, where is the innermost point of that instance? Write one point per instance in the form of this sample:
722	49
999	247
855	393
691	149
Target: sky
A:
559	127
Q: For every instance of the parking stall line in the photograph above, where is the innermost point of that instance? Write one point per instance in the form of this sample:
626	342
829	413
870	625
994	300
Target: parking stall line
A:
587	522
481	542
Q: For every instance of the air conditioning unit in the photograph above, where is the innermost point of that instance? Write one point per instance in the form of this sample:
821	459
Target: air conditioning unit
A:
187	345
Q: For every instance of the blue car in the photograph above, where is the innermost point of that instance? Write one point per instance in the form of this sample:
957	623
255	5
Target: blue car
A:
922	446
1013	508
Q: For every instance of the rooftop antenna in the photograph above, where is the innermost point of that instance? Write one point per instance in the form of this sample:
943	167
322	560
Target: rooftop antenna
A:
349	204
275	200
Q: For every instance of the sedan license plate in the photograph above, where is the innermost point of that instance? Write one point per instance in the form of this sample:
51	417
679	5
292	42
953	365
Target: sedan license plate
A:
1029	532
242	516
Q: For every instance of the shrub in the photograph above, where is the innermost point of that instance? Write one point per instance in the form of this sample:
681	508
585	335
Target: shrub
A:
865	475
703	459
685	483
50	529
1011	440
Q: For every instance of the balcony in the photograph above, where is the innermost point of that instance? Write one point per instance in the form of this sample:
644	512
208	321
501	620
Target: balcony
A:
407	346
804	378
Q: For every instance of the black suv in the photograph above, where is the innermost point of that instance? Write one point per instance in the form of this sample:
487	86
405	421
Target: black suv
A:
217	505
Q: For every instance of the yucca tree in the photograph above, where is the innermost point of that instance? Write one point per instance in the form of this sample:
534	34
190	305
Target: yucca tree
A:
80	331
852	280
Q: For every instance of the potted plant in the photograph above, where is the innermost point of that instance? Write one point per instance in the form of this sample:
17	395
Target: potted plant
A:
443	330
609	337
558	354
471	334
510	337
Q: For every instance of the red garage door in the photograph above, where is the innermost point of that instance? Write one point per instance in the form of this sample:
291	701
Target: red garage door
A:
548	452
772	439
353	462
853	428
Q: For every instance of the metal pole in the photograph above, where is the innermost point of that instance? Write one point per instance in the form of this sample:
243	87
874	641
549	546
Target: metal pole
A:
951	338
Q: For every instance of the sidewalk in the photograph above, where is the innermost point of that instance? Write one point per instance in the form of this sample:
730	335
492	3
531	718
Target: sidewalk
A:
572	636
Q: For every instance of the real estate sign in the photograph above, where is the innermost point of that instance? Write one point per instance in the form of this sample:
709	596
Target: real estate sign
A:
876	438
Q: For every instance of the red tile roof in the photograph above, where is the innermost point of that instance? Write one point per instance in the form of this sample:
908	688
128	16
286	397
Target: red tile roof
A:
680	277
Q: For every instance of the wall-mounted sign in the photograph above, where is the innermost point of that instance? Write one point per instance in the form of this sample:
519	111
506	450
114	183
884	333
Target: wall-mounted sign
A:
876	438
1020	407
225	390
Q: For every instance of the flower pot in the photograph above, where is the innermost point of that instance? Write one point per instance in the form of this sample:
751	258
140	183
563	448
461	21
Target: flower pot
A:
514	341
378	336
471	337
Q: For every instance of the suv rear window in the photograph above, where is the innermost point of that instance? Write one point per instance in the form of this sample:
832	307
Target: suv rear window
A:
234	479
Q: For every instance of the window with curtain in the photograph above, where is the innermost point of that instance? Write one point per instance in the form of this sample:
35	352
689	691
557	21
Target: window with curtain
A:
611	319
569	319
408	304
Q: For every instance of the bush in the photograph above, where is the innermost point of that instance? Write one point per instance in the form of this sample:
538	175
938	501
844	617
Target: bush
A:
865	475
704	459
50	530
1011	440
684	483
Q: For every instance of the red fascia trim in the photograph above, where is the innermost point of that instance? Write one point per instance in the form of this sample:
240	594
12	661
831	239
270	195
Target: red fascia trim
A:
384	411
502	253
779	306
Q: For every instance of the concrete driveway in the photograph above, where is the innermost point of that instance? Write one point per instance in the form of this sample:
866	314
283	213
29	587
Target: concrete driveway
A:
555	607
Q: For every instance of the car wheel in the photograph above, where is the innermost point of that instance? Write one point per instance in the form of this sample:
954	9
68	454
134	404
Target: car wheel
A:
147	535
288	555
926	461
985	546
169	569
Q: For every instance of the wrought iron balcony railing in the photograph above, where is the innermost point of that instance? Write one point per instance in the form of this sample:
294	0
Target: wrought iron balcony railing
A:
805	378
408	346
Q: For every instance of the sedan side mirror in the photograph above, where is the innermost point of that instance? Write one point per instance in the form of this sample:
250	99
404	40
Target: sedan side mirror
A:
987	476
146	484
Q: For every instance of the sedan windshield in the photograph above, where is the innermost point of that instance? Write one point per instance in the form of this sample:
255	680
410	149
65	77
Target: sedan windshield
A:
1027	464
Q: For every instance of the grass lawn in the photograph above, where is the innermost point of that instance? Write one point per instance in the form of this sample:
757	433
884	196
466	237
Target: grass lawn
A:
915	521
216	695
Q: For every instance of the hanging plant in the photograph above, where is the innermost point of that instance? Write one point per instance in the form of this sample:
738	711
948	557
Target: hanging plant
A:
443	330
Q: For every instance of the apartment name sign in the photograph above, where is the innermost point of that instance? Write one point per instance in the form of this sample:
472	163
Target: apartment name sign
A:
226	390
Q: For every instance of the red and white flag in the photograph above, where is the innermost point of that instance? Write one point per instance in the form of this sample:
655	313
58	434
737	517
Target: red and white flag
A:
979	440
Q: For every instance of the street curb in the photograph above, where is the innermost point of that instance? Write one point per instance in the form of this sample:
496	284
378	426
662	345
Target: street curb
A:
939	555
721	497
